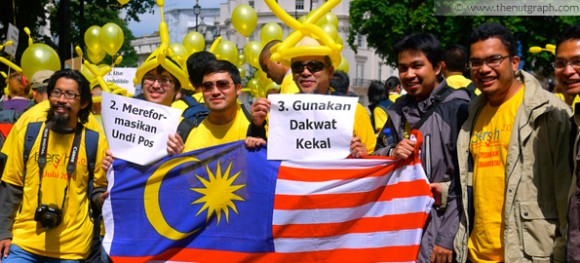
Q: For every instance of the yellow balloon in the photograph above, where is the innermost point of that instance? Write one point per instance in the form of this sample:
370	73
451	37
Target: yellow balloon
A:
328	18
244	19
194	42
271	31
92	39
242	72
241	59
343	65
96	57
253	86
123	2
87	73
227	50
180	51
252	52
39	57
330	30
111	38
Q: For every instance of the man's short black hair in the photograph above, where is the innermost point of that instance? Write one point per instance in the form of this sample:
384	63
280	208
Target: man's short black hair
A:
195	64
83	86
392	82
340	82
570	33
223	66
426	43
455	58
376	92
491	29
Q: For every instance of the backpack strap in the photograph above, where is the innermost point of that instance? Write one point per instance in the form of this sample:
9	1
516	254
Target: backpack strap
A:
32	131
91	145
184	128
189	100
439	97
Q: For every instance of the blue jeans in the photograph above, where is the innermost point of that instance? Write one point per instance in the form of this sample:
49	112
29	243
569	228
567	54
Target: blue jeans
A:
19	255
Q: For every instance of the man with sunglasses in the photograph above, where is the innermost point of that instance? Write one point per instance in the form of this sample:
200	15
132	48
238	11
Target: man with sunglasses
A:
513	154
437	110
312	75
226	122
45	199
567	71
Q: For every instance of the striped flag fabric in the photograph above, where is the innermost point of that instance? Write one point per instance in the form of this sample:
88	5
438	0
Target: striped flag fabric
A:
230	204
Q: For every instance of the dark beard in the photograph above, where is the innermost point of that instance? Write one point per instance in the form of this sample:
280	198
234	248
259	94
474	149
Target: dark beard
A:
57	123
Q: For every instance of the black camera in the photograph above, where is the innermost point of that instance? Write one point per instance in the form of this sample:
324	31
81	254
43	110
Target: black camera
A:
48	216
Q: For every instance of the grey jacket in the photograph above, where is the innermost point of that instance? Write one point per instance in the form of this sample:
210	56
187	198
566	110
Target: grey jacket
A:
438	156
538	178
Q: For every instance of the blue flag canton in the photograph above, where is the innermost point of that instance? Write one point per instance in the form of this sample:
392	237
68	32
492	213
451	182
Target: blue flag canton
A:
217	198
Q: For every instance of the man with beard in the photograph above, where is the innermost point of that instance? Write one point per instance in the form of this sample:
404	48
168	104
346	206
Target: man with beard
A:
567	70
45	201
312	74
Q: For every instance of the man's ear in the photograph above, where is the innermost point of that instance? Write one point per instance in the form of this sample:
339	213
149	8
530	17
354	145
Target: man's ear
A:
515	62
331	71
439	67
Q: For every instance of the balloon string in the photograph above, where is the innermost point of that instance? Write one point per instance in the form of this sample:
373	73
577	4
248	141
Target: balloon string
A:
14	11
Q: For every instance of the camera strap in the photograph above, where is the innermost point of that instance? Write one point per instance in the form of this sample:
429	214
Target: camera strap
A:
72	160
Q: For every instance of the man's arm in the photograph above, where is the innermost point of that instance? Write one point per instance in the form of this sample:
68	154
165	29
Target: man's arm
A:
10	201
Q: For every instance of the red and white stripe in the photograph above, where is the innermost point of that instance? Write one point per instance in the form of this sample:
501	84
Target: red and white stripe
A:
353	210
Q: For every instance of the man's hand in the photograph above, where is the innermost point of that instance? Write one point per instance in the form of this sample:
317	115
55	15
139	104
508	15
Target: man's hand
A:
260	110
404	149
107	161
254	142
357	148
175	144
437	192
441	255
4	248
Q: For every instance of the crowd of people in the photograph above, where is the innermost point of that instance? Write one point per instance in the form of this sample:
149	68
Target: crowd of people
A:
499	151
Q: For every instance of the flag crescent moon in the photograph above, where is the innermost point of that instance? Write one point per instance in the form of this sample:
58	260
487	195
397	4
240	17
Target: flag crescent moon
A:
151	200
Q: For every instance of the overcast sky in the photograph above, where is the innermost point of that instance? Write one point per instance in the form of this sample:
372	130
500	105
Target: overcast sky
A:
150	22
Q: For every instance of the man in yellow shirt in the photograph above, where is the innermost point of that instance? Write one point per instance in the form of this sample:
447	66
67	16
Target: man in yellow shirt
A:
276	71
517	141
45	201
312	75
226	122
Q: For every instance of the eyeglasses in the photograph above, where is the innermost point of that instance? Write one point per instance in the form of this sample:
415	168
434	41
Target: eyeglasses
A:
220	84
312	66
562	64
56	93
492	62
163	80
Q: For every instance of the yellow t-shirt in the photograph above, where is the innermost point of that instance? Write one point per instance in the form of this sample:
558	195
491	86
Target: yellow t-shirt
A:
381	118
489	149
72	238
394	96
288	85
364	129
207	134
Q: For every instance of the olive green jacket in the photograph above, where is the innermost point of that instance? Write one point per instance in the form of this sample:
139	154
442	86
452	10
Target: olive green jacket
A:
538	177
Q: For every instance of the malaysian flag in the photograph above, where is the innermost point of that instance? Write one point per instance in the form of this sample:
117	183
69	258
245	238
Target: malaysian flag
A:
229	204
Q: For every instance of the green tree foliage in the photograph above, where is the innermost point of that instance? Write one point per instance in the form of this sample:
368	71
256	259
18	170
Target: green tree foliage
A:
32	14
384	22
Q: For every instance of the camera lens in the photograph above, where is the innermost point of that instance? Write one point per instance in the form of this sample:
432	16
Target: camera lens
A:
48	219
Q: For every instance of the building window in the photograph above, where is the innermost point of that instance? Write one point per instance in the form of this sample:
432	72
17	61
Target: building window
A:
359	74
251	3
299	4
359	40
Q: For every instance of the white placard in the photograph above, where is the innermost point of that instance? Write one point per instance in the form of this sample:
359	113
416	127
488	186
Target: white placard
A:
310	127
122	77
137	130
12	35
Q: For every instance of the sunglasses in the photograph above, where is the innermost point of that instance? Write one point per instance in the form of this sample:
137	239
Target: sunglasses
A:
220	84
312	66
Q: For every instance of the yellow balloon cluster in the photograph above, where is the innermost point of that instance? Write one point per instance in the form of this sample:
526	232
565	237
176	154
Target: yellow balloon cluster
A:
101	41
164	56
287	50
